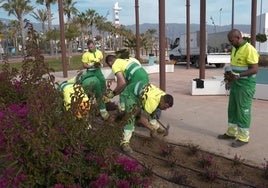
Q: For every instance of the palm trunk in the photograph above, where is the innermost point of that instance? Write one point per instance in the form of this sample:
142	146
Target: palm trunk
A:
50	27
22	36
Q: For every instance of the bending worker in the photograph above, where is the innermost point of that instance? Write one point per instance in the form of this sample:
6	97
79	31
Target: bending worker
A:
73	92
127	71
92	62
145	97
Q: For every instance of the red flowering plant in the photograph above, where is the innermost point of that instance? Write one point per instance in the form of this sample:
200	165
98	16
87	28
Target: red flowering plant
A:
41	143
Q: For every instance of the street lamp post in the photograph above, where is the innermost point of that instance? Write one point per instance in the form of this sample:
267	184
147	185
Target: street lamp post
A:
232	26
62	40
220	19
212	21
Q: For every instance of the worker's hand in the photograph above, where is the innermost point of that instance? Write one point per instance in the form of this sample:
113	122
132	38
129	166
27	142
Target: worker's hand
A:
97	65
236	75
230	76
153	134
109	94
154	124
159	133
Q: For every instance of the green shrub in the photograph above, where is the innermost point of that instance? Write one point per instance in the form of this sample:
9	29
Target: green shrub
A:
43	145
263	62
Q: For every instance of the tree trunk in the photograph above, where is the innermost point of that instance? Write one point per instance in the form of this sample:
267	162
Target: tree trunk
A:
50	27
22	36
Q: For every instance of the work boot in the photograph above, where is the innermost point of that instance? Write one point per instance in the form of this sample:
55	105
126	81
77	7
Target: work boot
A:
126	148
238	143
225	137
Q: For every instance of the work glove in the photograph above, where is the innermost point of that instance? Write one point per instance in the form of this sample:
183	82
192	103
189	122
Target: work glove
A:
154	124
97	65
109	94
229	76
153	134
156	129
159	133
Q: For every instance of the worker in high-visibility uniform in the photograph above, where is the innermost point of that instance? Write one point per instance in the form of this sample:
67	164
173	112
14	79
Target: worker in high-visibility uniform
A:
148	98
73	92
244	66
142	101
127	71
92	61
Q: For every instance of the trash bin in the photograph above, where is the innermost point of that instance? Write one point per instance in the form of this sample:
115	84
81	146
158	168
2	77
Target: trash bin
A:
151	59
12	51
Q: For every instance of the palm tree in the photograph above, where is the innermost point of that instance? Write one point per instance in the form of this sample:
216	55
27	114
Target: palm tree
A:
13	32
41	16
69	9
18	8
101	26
149	36
2	26
50	15
53	35
83	20
71	33
91	15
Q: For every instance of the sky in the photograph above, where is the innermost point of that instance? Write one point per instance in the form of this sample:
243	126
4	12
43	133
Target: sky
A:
217	11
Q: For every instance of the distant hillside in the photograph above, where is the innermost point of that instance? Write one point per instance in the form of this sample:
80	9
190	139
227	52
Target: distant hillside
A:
37	26
173	30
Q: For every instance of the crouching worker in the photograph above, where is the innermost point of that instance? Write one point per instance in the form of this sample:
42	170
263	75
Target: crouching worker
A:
75	98
127	71
146	98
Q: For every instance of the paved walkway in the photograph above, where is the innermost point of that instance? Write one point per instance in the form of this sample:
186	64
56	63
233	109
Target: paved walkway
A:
199	119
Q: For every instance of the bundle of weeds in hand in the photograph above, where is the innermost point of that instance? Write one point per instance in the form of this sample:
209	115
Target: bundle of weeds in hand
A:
97	65
44	145
228	78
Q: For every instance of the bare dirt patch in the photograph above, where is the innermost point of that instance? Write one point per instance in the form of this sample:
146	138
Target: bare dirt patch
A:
175	165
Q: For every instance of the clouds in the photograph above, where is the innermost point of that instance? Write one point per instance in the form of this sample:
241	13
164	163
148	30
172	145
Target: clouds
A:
175	10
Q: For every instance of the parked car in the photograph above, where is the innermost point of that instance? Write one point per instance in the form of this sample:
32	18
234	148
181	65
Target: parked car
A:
79	49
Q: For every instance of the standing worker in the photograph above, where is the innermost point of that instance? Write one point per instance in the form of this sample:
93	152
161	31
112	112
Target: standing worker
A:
127	71
244	66
92	62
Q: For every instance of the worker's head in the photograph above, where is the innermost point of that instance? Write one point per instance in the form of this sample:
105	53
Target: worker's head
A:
91	45
235	38
166	102
110	60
